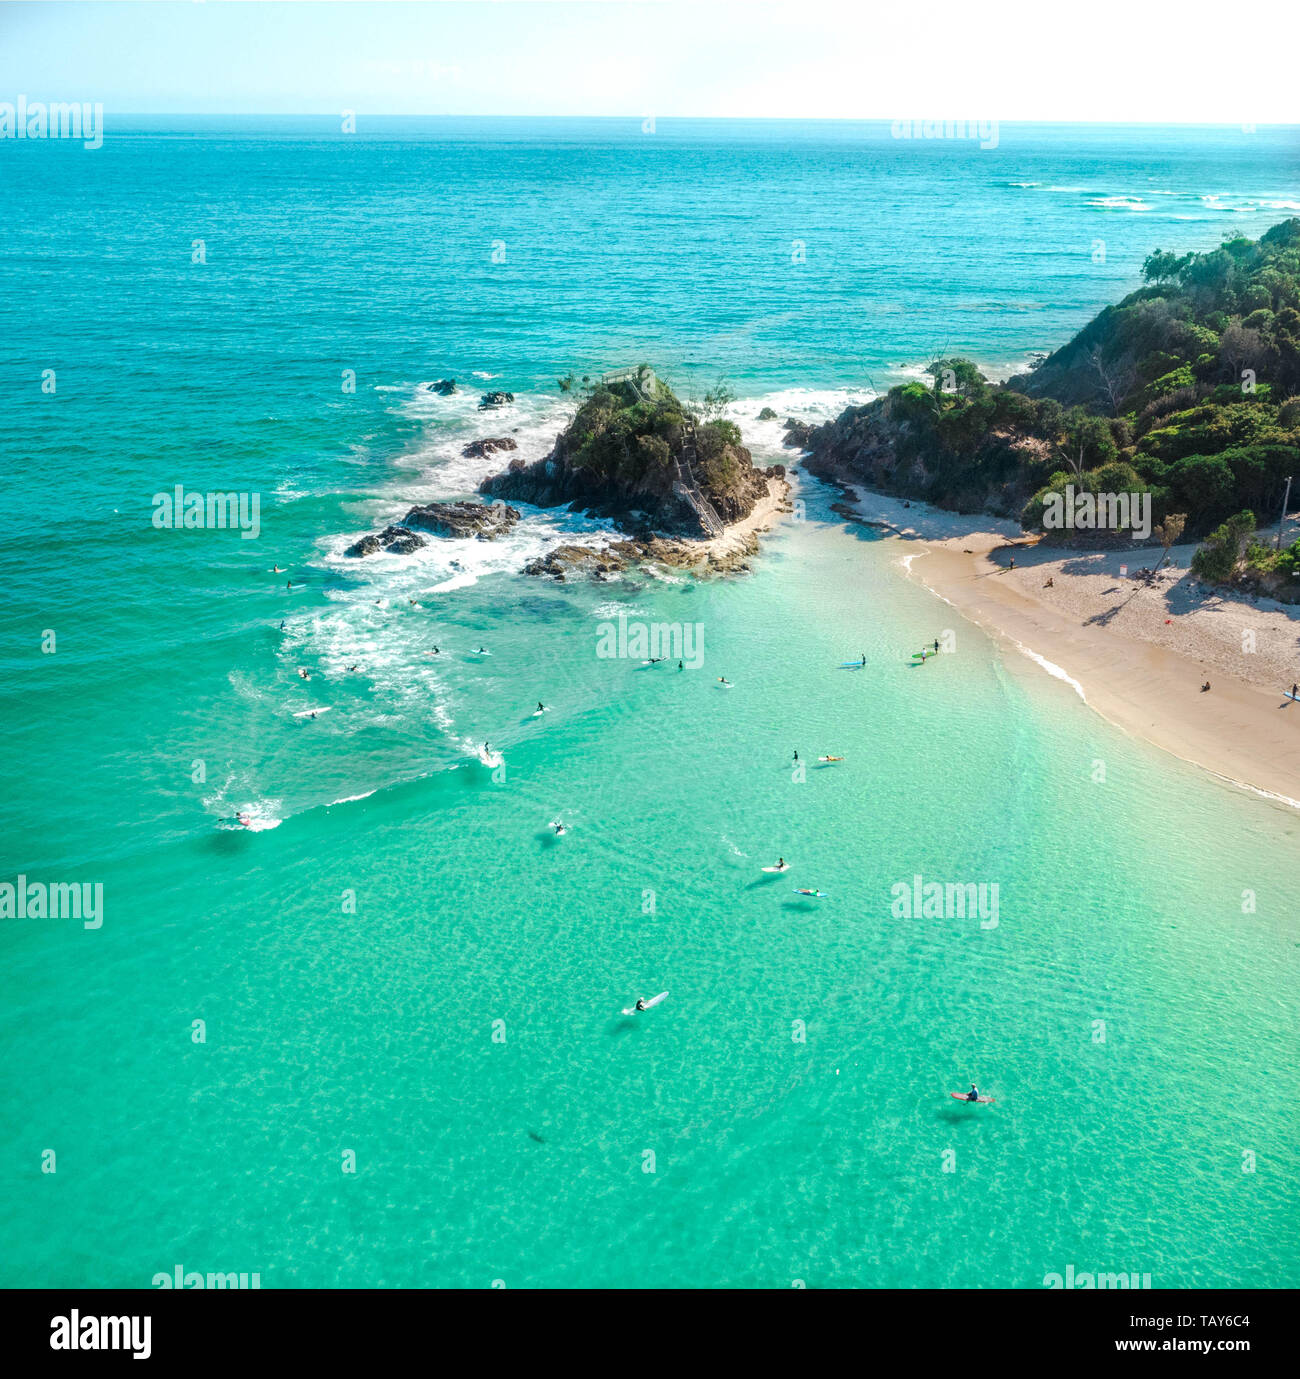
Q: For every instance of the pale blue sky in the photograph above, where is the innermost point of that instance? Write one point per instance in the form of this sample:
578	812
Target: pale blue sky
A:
991	59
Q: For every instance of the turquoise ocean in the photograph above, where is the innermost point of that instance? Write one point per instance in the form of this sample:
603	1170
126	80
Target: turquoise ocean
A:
401	970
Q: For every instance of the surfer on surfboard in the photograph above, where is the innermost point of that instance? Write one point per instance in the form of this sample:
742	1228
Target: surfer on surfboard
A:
972	1095
643	1004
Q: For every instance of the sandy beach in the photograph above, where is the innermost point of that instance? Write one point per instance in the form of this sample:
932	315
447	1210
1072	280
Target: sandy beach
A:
740	538
1137	652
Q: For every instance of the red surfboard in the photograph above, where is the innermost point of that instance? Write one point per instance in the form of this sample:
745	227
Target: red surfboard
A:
980	1101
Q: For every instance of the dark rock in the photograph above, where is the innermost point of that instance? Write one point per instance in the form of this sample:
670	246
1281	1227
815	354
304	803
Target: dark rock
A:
482	520
478	450
798	434
767	414
444	387
489	400
394	540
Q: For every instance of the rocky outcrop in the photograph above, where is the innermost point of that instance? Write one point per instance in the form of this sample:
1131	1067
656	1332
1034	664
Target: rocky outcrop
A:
444	387
767	414
491	400
393	540
798	434
566	562
482	520
479	450
634	455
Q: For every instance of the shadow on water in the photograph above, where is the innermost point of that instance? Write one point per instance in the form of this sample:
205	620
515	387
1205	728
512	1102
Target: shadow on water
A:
952	1116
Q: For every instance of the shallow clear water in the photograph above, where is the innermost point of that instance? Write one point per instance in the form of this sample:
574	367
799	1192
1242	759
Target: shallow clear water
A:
329	1030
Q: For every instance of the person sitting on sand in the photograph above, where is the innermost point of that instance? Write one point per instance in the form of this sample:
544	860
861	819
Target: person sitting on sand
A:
1051	583
1205	686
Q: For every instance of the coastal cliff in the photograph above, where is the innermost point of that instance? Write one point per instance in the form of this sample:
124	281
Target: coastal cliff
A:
1187	391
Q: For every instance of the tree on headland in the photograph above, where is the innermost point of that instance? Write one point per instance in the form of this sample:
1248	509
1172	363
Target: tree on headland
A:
1217	559
1116	377
1087	442
1168	533
1161	267
956	378
716	401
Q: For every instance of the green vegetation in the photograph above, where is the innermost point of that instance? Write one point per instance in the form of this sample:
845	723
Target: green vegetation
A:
1218	558
1188	389
631	432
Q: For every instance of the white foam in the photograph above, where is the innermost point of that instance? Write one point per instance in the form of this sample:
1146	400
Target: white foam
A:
1050	667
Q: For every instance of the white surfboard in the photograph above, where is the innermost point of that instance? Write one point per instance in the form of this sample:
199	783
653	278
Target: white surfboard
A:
784	868
653	1001
307	713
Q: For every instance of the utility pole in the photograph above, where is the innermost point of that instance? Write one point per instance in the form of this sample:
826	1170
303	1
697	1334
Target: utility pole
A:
1282	519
